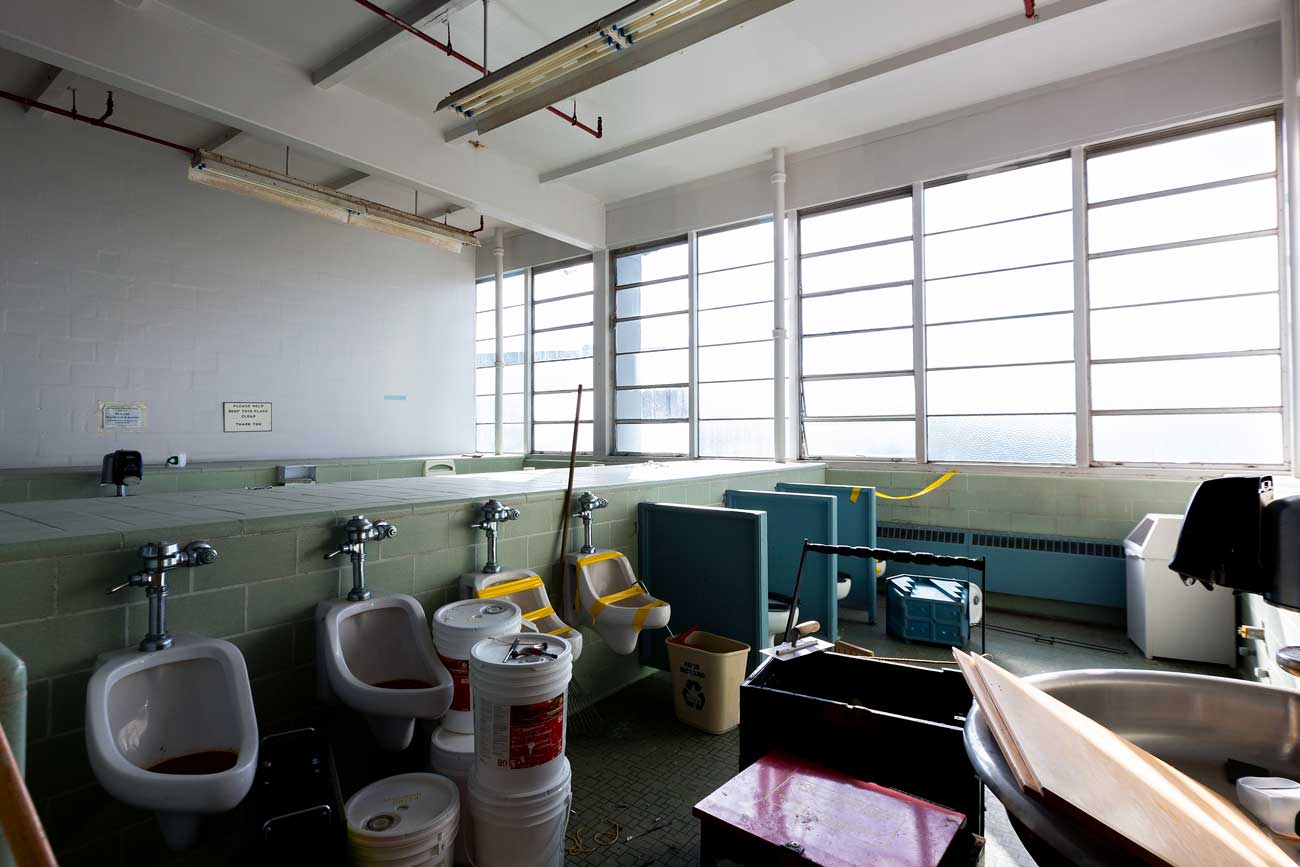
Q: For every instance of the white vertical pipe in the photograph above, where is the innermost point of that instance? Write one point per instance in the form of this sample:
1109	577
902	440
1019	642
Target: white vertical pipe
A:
603	389
1082	320
486	68
918	322
499	251
778	303
1291	179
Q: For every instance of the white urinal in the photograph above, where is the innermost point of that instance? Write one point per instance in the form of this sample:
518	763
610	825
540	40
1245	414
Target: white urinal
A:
526	589
611	599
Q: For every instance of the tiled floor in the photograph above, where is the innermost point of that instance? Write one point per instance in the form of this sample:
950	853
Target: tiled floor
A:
633	762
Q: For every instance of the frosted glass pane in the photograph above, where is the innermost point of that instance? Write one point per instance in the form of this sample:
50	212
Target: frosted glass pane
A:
737	286
485	325
1222	268
740	361
651	403
663	332
1184	216
483	437
736	399
1004	439
485	353
485	295
888	263
887	440
513	321
560	407
513	380
735	324
737	439
1001	341
1039	388
865	224
651	368
858	353
565	343
651	265
1234	438
512	408
563	281
1234	152
1000	196
1006	245
485	409
1186	327
1192	383
734	247
512	290
512	438
557	375
871	308
570	311
661	439
485	380
648	300
1042	289
559	437
878	395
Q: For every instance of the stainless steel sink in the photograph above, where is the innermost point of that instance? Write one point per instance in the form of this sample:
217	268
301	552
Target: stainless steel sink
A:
1194	722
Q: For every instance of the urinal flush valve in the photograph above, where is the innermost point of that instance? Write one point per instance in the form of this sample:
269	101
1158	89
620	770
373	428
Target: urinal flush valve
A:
492	513
587	503
160	558
359	531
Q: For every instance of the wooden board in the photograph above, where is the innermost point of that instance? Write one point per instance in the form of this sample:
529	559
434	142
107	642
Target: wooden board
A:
1167	815
1006	742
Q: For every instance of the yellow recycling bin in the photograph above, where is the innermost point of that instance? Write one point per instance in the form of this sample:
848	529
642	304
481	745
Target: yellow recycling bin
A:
707	672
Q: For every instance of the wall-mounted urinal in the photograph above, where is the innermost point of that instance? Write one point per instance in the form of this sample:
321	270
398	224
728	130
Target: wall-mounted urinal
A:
601	589
523	587
375	654
170	726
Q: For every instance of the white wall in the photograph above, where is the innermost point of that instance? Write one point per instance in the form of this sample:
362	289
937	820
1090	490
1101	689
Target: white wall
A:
1222	76
524	249
120	280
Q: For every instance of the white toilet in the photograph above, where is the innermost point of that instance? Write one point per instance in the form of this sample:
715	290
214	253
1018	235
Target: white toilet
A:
376	656
778	616
526	589
843	584
602	590
173	731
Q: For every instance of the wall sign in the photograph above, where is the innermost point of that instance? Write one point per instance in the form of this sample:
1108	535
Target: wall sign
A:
115	416
241	417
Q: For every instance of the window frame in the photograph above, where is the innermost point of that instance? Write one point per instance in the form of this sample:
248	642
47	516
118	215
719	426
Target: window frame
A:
531	361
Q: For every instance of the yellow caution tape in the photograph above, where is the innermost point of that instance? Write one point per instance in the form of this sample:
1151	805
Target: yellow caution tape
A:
539	614
597	558
642	613
605	601
921	493
854	494
505	588
561	631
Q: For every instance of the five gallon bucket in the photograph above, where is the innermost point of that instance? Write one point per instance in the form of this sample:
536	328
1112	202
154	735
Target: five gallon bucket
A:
405	821
520	684
457	627
521	830
452	755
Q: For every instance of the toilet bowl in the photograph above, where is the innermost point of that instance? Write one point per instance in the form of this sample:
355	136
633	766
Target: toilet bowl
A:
376	656
843	584
778	616
526	589
173	731
601	590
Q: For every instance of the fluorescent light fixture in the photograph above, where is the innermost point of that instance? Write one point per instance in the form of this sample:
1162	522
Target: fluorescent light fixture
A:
626	39
224	173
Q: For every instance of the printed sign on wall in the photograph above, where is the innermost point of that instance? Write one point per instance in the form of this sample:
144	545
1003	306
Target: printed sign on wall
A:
242	417
115	416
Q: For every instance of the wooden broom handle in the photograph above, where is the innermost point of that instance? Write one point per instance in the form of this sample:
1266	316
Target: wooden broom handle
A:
22	827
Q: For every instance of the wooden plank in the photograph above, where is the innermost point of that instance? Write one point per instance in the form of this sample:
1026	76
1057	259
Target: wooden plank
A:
1169	817
1011	751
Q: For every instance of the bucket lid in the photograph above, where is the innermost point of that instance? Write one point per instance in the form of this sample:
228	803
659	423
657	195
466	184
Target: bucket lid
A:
452	743
531	650
395	810
486	616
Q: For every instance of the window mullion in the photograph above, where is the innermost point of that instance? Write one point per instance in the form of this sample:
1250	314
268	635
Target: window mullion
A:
918	316
1082	315
693	343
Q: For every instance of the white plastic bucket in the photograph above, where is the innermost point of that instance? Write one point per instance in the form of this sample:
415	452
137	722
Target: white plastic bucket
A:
452	755
520	727
521	830
457	627
408	820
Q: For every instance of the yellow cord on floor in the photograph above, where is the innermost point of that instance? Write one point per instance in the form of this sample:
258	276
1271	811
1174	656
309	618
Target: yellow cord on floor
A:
573	845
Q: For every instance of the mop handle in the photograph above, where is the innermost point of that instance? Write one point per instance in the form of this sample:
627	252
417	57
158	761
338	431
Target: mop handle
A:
920	558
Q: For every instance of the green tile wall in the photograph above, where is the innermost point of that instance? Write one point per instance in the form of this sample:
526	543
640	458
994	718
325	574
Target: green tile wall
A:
261	595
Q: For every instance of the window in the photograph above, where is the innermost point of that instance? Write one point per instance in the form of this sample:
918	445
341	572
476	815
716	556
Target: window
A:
855	313
563	349
1184	302
652	350
734	325
999	320
512	418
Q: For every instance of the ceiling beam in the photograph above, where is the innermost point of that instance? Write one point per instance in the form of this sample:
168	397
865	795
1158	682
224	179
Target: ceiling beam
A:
52	86
226	139
366	50
349	178
917	55
223	79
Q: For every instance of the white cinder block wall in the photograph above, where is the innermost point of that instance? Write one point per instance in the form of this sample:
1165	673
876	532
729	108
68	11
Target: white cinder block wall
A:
120	280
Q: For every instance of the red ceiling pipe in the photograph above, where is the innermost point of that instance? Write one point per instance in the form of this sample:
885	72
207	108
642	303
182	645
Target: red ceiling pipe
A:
1029	9
598	132
99	122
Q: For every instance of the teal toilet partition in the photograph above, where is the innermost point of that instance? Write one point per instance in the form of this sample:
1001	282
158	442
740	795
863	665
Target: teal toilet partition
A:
710	565
856	523
792	518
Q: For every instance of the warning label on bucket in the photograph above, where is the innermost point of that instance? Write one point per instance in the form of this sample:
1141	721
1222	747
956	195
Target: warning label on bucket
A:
536	733
459	671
